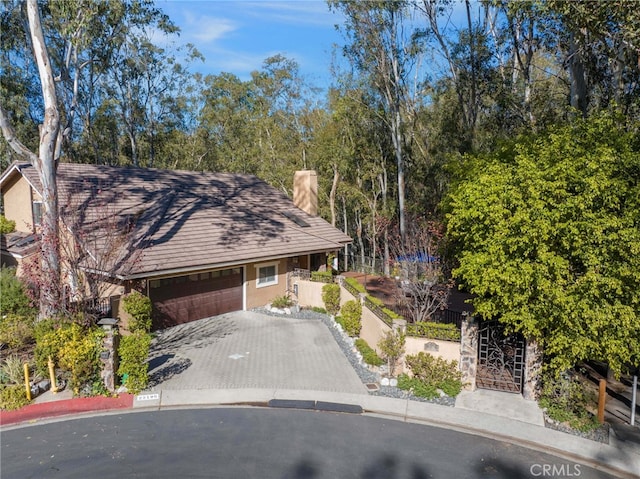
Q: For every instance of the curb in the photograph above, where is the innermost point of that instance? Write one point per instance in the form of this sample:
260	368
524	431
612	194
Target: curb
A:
65	407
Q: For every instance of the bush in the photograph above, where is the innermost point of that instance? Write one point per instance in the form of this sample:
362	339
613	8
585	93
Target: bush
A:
80	355
13	397
50	336
369	354
6	226
351	314
392	348
355	285
419	388
281	302
12	371
317	309
436	372
14	299
140	308
445	332
331	298
566	400
322	276
16	331
134	369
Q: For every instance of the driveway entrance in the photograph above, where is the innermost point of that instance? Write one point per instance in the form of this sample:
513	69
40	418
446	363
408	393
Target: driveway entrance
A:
245	349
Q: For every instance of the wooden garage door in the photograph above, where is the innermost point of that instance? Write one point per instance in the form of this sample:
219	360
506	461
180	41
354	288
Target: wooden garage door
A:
187	298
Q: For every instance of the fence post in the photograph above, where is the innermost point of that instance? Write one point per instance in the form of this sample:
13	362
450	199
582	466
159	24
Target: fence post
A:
468	351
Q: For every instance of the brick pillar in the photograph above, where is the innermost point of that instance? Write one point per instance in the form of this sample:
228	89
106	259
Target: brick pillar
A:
532	370
469	352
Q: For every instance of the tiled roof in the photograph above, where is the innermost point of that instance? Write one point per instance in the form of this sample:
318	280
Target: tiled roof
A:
183	219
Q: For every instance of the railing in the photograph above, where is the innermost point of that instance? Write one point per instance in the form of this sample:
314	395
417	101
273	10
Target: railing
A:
378	311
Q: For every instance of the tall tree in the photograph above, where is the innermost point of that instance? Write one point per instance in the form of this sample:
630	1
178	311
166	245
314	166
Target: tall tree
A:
44	162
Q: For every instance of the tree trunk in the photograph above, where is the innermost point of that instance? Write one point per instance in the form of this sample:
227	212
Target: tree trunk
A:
332	194
46	168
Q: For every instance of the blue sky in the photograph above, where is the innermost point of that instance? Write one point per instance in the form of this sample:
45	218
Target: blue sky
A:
236	36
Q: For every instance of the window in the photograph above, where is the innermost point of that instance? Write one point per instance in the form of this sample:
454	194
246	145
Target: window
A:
267	275
37	213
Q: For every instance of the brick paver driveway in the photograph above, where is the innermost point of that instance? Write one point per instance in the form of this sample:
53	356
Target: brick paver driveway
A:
251	350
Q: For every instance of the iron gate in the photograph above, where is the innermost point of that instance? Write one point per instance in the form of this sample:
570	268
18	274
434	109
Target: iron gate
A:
500	358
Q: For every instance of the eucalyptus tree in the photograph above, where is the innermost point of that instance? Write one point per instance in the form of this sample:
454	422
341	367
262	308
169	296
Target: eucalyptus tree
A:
384	50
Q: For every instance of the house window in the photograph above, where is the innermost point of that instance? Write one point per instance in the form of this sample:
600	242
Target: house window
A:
267	275
37	213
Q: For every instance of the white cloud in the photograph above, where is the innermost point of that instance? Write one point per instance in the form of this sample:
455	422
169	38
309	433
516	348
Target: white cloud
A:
206	28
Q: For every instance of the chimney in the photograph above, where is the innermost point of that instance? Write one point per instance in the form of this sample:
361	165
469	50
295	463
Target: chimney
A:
305	191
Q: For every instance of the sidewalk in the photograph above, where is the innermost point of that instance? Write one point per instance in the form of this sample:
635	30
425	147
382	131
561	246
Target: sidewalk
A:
483	413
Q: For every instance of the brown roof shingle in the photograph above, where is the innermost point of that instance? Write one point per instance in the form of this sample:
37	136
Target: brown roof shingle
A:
183	219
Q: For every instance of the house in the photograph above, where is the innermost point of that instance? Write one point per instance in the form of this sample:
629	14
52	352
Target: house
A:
198	244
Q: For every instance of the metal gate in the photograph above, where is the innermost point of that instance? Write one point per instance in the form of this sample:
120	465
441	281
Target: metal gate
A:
500	358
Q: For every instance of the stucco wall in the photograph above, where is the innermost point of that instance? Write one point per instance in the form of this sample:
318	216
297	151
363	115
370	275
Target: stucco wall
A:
260	296
310	294
17	203
449	350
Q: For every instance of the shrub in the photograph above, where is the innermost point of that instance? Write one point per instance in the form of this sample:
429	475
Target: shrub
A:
322	276
317	309
16	331
418	388
140	308
6	226
134	369
80	355
13	397
445	332
331	298
281	302
566	400
351	314
14	297
50	335
369	354
436	372
355	285
392	348
12	370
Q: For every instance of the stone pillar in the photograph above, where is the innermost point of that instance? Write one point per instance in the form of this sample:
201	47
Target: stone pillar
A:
109	353
532	370
469	352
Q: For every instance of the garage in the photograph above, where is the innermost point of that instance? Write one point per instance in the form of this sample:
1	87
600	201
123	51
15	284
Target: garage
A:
182	299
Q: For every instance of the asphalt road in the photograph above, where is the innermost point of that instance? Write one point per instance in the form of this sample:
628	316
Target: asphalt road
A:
264	443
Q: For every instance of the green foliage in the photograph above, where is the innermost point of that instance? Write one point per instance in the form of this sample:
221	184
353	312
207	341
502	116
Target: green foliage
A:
281	302
140	308
6	226
418	388
436	372
331	297
391	315
79	353
12	370
445	332
13	397
16	331
351	315
50	336
133	352
355	285
391	346
14	298
322	276
317	309
548	240
369	354
567	399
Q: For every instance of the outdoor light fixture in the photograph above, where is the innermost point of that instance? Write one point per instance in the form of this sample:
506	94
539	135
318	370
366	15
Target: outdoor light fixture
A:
107	323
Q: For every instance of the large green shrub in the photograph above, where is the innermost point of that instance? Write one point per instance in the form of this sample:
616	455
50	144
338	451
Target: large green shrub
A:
369	354
140	308
13	396
566	399
331	298
351	314
443	331
435	372
134	369
322	276
14	297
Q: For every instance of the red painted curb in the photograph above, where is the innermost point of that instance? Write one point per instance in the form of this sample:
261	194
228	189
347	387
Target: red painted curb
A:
65	407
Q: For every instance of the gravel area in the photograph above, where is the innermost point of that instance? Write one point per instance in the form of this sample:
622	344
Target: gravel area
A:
601	434
355	359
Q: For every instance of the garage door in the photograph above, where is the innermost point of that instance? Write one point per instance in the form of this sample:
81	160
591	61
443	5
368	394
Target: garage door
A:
182	299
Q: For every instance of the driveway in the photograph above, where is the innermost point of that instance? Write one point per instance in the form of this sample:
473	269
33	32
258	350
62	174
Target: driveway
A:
250	350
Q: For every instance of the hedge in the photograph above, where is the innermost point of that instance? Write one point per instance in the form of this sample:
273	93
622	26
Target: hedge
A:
445	332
